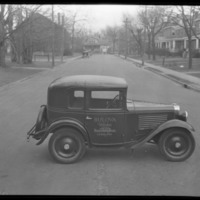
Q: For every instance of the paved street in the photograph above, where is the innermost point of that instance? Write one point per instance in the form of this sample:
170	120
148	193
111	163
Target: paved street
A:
28	169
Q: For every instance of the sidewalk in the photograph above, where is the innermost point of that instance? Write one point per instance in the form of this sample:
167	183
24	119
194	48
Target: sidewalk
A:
185	80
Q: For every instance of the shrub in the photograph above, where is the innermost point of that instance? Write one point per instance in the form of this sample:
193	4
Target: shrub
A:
196	53
159	52
166	52
175	54
67	52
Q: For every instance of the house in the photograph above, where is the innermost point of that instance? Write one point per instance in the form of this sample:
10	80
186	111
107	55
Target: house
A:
175	39
35	34
92	43
96	43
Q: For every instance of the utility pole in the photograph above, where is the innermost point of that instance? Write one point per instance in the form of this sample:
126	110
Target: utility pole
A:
73	24
53	37
126	28
21	38
144	42
62	41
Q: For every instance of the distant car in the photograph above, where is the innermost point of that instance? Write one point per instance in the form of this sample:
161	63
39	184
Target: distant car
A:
93	111
85	53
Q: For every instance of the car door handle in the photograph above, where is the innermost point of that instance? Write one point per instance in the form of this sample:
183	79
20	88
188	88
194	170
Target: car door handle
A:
88	117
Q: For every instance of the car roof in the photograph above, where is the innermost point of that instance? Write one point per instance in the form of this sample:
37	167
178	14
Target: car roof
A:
89	81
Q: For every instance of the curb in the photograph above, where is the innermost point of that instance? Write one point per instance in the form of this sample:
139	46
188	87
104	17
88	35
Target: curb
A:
185	85
31	76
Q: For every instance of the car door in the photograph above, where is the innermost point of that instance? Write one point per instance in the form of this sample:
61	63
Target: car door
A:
105	122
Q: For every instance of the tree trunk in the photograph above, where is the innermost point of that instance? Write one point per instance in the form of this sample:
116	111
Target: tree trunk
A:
2	55
26	56
30	47
142	54
113	46
190	53
13	53
2	34
153	48
149	46
13	56
19	58
72	40
138	50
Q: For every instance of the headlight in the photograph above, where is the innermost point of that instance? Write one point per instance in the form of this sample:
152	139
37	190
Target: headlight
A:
183	116
176	107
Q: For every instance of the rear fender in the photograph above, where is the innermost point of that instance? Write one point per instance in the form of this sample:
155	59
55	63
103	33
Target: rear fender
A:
169	124
41	119
66	123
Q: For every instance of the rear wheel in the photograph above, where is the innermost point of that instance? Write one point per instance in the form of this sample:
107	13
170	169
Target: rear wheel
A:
176	144
66	146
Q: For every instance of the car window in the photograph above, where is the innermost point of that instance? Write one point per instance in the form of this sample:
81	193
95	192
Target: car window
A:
105	100
76	99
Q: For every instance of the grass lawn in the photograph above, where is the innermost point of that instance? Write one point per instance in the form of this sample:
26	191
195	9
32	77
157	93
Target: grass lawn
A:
8	75
176	63
197	74
40	62
14	71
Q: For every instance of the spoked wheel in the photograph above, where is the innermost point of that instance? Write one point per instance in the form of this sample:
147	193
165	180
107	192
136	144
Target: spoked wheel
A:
176	144
66	146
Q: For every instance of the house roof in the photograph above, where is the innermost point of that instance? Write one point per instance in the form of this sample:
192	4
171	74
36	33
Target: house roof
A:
173	27
35	16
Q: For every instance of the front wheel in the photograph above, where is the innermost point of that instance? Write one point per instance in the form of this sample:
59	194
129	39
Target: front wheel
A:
66	146
176	144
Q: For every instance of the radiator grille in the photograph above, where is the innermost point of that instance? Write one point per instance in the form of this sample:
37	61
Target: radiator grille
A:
151	121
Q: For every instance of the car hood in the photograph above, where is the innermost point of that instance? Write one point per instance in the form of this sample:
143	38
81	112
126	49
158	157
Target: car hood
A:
142	105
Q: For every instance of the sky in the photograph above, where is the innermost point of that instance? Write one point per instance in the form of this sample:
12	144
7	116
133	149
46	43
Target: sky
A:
100	16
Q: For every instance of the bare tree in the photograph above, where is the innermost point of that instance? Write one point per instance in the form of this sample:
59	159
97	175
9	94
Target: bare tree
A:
75	26
184	17
154	19
11	16
112	34
6	16
2	35
138	36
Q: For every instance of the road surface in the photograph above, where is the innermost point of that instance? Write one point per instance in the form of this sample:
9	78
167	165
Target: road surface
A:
28	169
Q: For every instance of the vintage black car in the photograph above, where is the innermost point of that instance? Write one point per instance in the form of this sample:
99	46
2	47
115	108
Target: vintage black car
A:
85	54
86	111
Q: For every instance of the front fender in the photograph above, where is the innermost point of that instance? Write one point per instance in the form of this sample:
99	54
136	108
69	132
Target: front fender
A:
65	122
174	123
169	124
